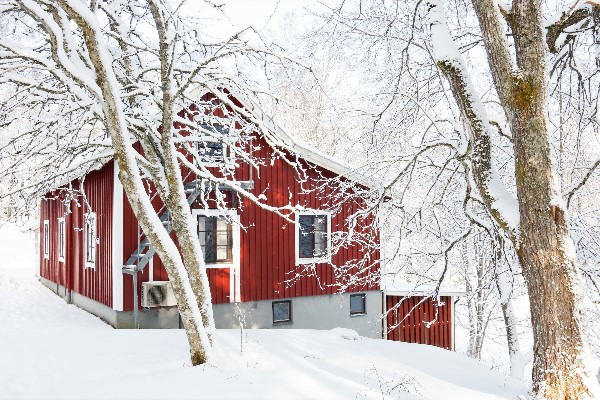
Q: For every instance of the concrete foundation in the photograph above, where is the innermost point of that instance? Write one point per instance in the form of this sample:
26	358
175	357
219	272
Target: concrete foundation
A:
310	312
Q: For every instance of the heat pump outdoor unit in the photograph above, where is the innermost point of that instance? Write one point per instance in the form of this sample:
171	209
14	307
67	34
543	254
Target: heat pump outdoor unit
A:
157	294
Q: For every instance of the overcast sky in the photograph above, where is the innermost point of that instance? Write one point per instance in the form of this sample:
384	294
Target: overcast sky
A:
262	14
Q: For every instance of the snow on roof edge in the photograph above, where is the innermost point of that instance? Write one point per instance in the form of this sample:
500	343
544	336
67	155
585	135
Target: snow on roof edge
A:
305	150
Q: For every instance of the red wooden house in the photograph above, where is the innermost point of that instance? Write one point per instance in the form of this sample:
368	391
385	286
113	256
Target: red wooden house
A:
87	248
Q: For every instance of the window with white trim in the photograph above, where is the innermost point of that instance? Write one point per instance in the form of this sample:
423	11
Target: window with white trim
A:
46	239
89	240
216	239
62	240
313	231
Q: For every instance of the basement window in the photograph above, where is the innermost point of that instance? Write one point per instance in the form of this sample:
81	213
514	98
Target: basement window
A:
89	240
282	312
358	304
313	242
46	239
62	240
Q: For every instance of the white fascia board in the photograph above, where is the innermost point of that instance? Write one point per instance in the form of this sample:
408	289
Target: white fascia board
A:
117	241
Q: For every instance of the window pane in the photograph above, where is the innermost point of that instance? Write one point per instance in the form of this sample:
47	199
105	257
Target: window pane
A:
222	253
215	236
222	238
282	311
357	304
306	240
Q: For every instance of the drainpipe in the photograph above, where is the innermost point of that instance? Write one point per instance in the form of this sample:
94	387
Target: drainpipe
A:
454	323
135	300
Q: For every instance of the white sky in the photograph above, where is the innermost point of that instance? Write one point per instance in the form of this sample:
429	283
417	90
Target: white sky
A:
262	14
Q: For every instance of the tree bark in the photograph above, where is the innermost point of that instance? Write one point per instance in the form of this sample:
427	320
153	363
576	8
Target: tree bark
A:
545	250
132	183
175	198
543	244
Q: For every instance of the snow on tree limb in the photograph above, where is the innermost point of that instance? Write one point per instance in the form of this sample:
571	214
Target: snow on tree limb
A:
501	204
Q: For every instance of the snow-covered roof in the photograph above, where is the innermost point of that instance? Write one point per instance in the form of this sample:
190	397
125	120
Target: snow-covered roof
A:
400	288
308	152
295	145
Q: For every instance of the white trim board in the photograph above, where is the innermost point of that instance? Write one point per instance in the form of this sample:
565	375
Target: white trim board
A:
117	241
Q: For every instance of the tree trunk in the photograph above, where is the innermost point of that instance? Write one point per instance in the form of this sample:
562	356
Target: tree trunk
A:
129	176
547	257
543	245
175	199
545	249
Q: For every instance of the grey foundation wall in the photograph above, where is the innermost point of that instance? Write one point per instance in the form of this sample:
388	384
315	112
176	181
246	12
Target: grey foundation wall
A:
310	312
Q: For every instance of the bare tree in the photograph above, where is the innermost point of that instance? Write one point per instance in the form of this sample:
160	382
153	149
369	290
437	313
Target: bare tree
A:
470	88
92	78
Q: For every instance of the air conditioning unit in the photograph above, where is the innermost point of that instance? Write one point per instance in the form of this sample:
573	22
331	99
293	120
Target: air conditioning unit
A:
157	294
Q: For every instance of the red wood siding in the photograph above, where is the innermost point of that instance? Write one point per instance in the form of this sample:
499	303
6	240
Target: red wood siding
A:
407	322
95	283
267	245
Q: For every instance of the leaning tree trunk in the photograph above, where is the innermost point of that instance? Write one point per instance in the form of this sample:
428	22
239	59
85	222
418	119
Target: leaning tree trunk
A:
175	198
132	183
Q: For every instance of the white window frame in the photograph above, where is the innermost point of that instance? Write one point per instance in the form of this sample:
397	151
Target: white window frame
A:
234	265
62	244
90	223
313	260
46	238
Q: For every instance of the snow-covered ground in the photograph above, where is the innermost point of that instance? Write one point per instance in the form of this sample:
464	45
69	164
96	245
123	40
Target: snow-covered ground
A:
49	349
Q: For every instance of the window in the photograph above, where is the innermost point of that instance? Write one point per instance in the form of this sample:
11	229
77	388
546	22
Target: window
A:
312	237
358	304
212	150
282	311
89	239
216	239
62	240
46	239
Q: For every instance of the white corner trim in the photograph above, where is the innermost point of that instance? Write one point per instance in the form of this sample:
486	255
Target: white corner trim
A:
312	260
117	241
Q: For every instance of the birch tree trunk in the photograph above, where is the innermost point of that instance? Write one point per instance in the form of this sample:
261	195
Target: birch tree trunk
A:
175	197
129	176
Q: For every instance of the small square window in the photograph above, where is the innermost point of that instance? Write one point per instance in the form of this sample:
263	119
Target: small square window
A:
282	311
358	304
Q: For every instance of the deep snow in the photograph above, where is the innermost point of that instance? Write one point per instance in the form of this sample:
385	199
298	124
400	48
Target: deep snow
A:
50	349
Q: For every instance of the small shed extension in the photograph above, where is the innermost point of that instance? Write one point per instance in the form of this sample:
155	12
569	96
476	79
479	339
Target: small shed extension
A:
412	316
